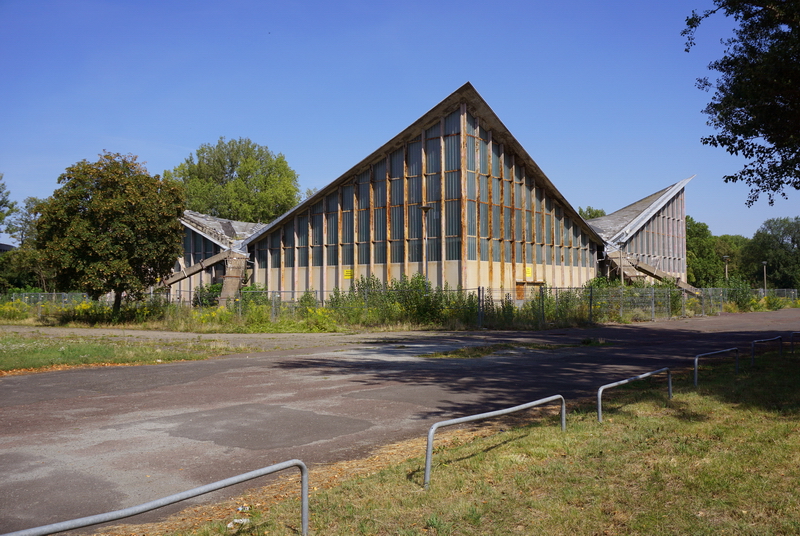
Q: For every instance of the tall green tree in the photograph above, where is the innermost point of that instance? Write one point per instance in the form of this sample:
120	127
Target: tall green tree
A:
238	180
777	242
703	266
25	266
22	224
590	213
731	246
111	227
7	207
756	103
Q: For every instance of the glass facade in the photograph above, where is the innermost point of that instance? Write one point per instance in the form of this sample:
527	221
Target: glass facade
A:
455	191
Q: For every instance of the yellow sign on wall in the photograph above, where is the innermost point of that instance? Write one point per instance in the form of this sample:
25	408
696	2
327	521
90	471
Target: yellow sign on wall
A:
348	274
528	272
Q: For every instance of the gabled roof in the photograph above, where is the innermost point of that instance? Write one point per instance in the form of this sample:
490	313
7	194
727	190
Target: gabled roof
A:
616	228
228	234
489	121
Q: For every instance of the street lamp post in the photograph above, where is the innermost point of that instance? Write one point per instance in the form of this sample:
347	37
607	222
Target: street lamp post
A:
765	277
725	258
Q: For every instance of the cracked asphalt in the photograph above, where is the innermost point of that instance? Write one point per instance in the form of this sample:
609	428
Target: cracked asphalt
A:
80	442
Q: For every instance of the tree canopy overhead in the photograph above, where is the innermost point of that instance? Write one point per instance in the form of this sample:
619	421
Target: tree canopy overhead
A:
238	180
756	103
110	227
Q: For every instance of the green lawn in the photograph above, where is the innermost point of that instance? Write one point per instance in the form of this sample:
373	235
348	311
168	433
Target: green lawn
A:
31	352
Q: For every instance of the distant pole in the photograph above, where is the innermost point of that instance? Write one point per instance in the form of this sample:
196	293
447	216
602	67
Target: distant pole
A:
765	276
725	258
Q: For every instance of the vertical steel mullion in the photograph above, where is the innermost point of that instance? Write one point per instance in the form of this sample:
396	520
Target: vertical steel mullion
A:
387	196
490	193
423	162
323	279
404	178
268	263
355	224
339	265
371	222
480	209
502	168
463	194
282	267
296	256
310	246
442	201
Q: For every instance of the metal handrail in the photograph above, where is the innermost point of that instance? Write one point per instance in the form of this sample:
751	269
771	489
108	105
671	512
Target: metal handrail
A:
698	356
623	382
480	416
753	348
178	497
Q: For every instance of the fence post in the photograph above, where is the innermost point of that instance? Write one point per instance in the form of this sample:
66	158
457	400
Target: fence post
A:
480	306
541	302
653	303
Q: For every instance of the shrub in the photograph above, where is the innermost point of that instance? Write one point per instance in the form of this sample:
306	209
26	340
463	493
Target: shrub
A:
207	295
14	310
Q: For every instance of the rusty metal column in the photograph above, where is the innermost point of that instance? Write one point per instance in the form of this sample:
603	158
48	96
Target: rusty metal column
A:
405	211
309	244
443	203
462	277
423	162
339	265
425	209
490	193
478	247
371	222
295	257
324	264
387	191
514	211
268	266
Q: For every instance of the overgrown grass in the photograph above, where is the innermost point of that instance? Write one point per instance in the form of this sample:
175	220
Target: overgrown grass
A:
29	352
405	303
722	459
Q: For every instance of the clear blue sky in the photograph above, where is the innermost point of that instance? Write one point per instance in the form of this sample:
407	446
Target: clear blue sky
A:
601	94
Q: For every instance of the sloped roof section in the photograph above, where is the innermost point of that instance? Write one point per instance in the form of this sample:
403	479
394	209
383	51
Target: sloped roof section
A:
468	95
617	227
229	234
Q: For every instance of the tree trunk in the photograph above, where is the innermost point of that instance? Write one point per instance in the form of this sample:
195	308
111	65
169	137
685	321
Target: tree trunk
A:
117	303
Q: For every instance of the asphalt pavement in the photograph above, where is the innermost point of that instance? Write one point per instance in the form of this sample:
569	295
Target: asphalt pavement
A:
80	442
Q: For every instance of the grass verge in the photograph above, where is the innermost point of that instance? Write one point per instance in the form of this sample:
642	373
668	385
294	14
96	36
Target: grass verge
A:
30	353
721	459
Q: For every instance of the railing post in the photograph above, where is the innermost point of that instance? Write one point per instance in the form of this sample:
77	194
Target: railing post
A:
481	416
623	382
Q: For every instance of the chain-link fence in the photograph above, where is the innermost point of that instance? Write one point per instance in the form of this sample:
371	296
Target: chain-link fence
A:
415	302
38	298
